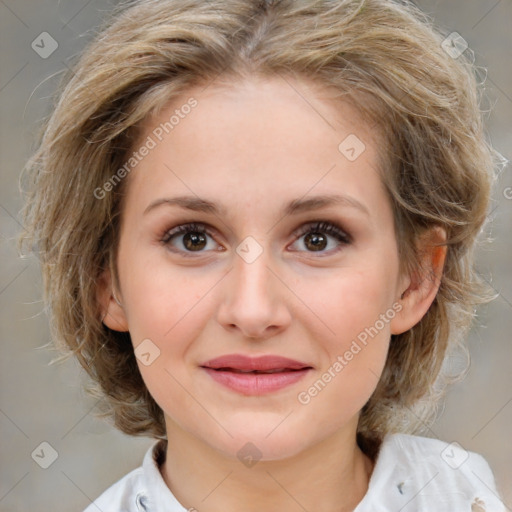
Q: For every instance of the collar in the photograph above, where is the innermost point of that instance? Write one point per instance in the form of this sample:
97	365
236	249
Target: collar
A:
155	495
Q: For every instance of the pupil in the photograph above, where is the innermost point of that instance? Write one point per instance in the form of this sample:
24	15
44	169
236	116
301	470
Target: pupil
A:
194	241
317	241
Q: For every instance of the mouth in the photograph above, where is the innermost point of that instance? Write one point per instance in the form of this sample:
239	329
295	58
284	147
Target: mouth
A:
255	376
248	364
276	370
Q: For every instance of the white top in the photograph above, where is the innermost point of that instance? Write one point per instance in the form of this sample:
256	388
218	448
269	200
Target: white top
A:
411	474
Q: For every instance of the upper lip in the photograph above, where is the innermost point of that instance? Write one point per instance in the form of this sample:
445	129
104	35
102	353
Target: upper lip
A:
248	363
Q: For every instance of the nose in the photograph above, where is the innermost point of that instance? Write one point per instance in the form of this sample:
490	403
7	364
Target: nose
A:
254	300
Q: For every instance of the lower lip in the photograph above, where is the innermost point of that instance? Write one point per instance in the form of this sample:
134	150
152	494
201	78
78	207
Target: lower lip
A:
256	383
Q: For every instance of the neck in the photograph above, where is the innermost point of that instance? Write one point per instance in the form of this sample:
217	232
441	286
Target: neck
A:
332	475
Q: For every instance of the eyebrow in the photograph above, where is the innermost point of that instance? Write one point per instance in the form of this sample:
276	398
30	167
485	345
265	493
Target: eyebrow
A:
197	204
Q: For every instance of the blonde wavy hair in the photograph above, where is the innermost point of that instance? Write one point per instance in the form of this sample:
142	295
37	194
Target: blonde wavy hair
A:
384	57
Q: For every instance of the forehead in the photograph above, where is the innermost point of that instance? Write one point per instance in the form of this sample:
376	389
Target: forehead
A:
275	134
296	105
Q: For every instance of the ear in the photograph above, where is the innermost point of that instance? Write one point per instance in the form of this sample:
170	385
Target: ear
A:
112	313
421	286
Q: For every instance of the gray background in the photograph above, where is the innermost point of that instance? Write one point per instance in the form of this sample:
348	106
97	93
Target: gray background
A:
40	403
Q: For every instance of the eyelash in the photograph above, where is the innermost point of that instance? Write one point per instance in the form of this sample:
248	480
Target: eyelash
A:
325	227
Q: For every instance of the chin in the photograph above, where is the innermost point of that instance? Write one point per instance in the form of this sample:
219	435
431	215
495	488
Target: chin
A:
255	443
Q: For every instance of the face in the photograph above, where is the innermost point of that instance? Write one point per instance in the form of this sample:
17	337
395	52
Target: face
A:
281	243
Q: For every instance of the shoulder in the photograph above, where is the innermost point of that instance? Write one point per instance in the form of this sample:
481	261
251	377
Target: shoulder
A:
448	458
418	474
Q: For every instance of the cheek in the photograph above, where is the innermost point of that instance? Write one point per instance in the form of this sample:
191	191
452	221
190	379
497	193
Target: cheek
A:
355	309
171	310
166	308
162	298
354	355
348	301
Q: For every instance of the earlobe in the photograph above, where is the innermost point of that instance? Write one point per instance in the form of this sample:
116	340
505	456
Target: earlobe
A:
423	284
111	309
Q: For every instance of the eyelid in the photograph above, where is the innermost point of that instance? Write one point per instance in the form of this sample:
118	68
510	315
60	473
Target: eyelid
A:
324	226
186	227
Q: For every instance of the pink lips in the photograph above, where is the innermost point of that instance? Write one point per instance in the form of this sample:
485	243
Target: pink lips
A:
255	375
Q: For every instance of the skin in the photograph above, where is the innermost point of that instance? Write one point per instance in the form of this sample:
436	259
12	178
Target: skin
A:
252	146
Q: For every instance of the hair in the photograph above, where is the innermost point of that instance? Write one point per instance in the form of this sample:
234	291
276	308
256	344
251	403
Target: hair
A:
383	57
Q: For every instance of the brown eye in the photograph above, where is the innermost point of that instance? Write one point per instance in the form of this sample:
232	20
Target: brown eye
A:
194	241
322	237
315	241
189	238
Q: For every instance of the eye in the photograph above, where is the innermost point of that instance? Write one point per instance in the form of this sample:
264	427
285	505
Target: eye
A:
188	238
318	237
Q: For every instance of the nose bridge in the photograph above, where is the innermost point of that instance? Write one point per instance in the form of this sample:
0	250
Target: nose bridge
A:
252	301
250	261
251	277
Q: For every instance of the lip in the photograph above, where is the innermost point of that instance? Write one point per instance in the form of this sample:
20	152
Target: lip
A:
226	371
248	363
